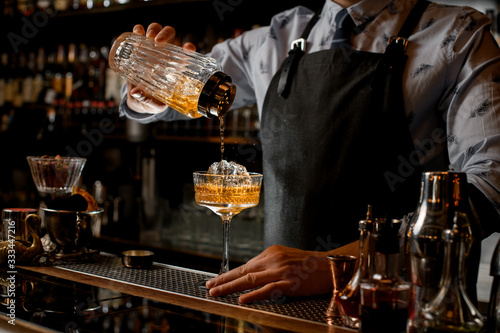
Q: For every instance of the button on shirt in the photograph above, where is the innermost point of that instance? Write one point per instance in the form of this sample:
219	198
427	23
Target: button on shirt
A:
452	76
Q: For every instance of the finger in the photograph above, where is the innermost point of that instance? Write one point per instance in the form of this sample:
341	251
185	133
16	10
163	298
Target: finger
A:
130	86
165	35
138	29
153	30
232	275
253	265
246	282
274	290
138	94
189	46
144	98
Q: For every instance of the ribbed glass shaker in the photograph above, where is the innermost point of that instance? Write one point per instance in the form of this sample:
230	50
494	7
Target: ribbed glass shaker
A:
187	81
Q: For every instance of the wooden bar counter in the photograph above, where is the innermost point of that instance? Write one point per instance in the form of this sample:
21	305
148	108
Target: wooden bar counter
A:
102	295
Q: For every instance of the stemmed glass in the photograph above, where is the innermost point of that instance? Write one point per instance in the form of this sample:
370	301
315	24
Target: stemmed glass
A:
226	196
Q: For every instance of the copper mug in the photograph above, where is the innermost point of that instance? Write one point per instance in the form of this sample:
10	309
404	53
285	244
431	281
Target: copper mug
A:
71	231
20	236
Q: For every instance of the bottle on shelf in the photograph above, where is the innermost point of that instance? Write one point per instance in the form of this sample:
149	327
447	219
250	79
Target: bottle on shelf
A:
46	6
61	5
26	7
49	94
38	80
14	78
58	71
4	67
69	70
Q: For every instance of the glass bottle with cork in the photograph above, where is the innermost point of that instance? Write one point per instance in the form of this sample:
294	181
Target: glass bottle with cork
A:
385	296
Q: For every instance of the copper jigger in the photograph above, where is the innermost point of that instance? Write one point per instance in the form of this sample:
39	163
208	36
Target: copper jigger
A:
342	267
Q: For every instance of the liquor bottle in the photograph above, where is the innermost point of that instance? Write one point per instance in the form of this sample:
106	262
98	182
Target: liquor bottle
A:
80	68
58	68
30	87
45	6
442	194
452	310
75	4
4	61
26	69
69	69
85	4
385	296
8	62
9	8
349	298
38	77
61	5
26	7
48	94
187	81
18	71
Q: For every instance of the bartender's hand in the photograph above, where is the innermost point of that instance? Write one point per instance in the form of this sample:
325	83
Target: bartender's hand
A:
137	99
279	271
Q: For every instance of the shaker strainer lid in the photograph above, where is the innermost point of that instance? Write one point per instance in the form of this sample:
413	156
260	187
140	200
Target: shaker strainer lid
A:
217	95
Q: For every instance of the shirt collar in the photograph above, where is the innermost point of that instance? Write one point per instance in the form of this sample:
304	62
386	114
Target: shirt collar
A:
361	13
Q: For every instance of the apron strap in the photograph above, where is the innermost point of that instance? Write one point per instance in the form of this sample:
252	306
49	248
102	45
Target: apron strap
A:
412	20
394	58
399	43
297	50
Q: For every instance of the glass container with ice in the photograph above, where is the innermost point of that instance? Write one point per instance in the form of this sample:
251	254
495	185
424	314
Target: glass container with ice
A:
187	81
226	189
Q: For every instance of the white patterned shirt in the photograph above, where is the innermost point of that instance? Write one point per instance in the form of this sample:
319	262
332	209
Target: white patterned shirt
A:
452	75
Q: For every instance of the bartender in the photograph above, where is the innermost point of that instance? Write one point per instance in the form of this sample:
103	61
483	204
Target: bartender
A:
351	117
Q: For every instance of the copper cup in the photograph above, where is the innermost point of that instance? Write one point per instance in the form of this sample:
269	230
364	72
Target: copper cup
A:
20	241
342	268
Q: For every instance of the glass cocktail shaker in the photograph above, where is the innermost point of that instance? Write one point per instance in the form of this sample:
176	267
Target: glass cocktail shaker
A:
452	311
187	81
443	194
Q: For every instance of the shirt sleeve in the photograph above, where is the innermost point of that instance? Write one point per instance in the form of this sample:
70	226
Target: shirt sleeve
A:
237	58
473	114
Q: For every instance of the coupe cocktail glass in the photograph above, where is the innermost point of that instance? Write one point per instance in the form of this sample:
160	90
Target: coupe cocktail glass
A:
226	196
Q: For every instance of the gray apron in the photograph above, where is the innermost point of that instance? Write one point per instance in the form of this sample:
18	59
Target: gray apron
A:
334	143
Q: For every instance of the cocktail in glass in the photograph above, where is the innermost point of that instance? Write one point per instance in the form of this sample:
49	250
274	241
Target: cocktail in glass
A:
226	196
